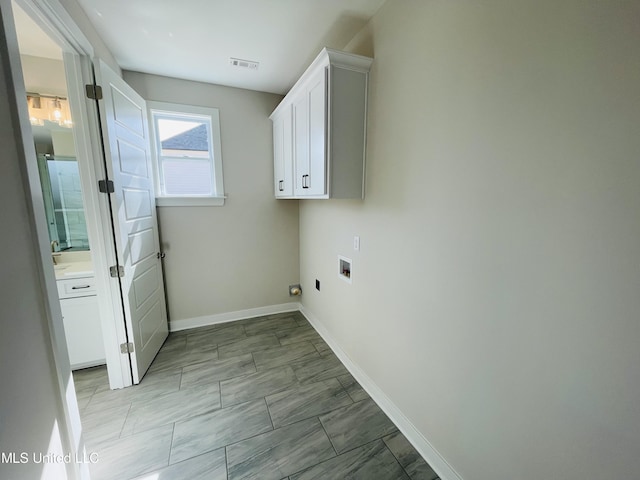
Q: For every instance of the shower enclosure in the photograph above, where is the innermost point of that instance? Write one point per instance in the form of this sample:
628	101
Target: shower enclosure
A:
62	194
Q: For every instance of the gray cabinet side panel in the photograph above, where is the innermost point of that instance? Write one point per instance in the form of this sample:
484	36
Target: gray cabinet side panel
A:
347	124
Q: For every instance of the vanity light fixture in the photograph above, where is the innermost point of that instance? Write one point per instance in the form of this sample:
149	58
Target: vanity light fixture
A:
48	108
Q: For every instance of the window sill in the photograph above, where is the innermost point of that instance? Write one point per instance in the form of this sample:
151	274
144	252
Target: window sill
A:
190	201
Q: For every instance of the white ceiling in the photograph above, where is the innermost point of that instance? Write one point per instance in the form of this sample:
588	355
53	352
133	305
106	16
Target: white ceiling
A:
193	39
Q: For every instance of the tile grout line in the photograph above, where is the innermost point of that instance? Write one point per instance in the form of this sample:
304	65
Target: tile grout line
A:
317	350
269	431
379	439
125	421
273	427
395	456
329	437
298	386
348	451
173	434
226	463
181	376
90	398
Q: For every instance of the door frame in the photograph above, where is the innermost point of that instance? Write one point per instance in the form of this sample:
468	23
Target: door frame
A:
79	56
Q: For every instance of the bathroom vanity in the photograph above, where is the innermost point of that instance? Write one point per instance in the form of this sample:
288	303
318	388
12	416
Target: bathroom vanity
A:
80	312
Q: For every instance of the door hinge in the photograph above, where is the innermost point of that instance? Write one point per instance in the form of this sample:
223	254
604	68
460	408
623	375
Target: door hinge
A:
94	92
126	347
116	271
106	186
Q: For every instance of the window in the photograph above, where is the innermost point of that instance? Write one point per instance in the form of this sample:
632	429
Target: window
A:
188	155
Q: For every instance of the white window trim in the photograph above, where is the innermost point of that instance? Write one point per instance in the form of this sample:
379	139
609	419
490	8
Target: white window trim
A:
189	201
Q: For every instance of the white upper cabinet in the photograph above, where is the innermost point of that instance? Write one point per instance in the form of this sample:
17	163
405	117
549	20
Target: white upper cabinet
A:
319	130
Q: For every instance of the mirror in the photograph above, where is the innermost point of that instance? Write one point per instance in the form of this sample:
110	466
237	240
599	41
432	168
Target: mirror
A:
61	187
52	127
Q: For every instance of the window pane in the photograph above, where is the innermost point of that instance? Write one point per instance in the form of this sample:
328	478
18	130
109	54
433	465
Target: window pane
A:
187	177
187	151
183	138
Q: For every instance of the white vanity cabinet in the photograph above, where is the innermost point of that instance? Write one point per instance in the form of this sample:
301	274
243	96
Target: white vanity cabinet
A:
327	111
81	318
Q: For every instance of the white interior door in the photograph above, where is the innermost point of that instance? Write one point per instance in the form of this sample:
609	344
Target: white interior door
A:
127	147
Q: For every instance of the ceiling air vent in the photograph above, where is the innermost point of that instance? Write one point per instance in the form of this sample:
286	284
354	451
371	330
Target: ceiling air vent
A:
237	62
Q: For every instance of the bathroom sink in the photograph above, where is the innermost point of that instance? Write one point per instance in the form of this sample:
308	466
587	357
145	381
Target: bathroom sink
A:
79	273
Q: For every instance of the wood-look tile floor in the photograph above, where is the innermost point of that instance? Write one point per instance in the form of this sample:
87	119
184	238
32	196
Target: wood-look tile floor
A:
262	398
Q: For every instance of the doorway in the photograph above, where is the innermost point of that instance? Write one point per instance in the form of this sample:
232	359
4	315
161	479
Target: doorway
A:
104	132
60	177
78	220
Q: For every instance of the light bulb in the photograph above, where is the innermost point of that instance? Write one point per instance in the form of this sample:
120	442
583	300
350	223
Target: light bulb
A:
57	112
35	102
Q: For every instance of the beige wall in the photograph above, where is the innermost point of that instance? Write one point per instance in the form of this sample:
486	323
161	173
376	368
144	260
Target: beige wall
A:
495	298
242	255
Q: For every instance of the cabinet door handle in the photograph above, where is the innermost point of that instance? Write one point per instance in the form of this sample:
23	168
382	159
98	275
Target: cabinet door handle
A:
281	185
305	184
80	287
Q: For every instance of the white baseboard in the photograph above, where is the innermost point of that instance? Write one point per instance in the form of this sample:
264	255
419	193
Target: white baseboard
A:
94	363
185	324
421	444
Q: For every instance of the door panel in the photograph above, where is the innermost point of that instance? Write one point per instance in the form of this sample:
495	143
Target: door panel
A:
145	285
142	245
316	184
282	147
309	130
128	163
278	156
301	142
132	160
137	204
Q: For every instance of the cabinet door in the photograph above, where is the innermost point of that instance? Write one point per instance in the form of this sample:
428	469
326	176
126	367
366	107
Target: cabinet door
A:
301	142
81	318
309	124
283	153
316	182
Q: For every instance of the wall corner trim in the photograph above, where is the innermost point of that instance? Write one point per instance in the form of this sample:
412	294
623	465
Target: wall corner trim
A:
421	444
206	320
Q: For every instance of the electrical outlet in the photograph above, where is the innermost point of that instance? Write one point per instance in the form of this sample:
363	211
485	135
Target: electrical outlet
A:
317	284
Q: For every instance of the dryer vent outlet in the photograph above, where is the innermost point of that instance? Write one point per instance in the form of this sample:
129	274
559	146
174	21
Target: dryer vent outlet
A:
295	290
